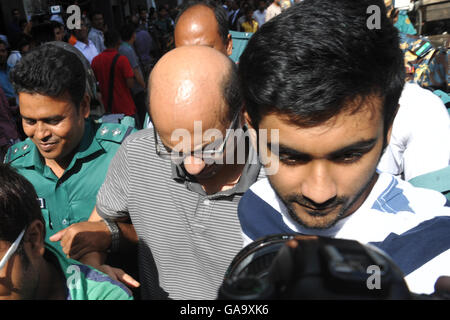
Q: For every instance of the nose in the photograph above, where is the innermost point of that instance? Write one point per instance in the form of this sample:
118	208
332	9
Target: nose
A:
319	186
41	132
193	165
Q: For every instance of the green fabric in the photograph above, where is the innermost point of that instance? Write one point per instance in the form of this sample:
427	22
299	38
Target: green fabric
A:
437	180
240	40
71	198
86	283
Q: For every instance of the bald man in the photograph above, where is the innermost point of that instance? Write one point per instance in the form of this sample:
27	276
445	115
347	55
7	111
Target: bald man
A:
180	182
203	23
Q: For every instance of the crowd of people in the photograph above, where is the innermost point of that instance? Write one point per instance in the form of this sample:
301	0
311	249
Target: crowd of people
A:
155	158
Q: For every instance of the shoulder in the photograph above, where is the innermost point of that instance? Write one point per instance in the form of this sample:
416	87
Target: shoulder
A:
96	285
114	128
19	151
395	195
86	283
260	212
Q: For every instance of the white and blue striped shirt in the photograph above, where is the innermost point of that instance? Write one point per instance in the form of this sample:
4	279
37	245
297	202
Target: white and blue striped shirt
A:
412	225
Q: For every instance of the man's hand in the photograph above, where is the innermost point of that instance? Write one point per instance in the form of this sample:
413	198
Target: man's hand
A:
82	238
119	275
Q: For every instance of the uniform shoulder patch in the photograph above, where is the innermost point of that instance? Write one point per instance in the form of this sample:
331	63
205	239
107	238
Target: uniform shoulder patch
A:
115	132
18	150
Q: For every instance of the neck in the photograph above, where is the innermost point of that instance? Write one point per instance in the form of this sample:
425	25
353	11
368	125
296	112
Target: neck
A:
51	283
227	176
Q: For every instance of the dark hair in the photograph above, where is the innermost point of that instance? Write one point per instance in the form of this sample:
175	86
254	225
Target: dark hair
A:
314	58
219	12
93	14
19	205
127	31
43	33
51	71
21	42
112	38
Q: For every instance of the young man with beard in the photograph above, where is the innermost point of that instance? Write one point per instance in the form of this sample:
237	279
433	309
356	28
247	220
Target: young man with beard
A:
330	86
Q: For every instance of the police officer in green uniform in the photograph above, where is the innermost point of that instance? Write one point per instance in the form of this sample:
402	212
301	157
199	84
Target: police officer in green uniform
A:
67	153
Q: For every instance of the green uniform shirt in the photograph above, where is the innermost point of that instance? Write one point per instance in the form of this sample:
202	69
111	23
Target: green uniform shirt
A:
71	198
84	282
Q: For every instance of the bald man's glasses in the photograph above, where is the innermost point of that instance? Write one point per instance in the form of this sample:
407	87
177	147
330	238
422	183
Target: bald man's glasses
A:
208	153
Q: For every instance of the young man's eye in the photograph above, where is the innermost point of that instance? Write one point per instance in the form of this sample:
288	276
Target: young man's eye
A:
349	157
292	161
53	121
29	122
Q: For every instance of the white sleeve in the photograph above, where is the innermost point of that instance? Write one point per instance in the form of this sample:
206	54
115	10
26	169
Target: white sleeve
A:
428	147
420	135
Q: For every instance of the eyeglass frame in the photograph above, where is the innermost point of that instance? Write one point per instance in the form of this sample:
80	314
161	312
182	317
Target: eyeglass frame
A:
12	250
170	156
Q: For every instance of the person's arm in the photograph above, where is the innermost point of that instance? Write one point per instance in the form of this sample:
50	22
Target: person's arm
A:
90	240
93	235
138	77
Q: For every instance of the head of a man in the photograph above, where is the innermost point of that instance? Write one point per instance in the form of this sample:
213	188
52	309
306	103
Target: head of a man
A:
204	24
15	14
128	33
261	5
143	15
112	39
22	233
97	20
330	86
58	30
82	34
51	85
194	99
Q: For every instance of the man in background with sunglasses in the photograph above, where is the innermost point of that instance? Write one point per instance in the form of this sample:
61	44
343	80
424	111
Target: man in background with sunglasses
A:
30	269
180	183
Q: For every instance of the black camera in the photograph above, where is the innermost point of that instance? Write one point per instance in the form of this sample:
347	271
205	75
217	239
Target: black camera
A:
310	267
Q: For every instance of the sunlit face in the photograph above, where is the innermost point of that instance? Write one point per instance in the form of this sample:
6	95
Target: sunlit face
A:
54	124
18	279
198	26
326	172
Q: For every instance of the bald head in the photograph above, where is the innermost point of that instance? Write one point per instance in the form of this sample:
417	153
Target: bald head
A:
199	25
193	90
193	83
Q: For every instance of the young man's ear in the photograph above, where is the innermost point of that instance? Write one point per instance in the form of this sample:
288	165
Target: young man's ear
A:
229	45
247	119
389	132
85	106
34	239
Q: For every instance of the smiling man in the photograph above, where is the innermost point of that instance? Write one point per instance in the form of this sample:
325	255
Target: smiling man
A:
330	87
67	154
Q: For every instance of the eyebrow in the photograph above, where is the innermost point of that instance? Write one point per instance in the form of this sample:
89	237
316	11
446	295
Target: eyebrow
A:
362	146
58	117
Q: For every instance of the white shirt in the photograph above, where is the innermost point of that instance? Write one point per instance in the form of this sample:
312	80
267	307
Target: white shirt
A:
88	50
410	224
260	17
420	140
